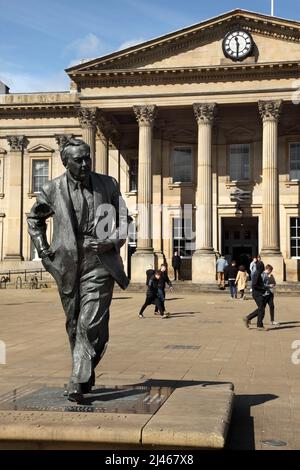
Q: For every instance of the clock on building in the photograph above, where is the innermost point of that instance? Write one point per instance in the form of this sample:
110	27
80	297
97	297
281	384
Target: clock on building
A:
238	44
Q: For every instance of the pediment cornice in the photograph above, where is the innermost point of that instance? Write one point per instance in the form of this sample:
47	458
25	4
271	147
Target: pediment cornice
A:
40	148
206	31
235	72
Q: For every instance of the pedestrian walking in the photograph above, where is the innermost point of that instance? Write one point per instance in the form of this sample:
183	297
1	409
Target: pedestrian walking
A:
252	269
176	264
270	283
152	296
258	291
164	279
221	266
241	281
231	274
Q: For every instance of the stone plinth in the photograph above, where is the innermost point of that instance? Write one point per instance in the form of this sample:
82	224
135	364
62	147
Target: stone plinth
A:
188	414
139	264
203	268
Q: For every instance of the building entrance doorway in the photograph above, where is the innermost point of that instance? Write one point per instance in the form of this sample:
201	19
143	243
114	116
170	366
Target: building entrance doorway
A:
240	239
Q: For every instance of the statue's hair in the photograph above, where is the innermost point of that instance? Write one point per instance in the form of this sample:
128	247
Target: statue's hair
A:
72	142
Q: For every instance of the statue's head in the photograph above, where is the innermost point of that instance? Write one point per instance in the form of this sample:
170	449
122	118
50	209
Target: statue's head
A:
75	155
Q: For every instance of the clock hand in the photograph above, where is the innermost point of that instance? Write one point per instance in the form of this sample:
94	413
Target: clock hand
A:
237	46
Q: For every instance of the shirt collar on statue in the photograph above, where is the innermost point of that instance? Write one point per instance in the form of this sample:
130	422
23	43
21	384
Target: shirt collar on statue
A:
75	184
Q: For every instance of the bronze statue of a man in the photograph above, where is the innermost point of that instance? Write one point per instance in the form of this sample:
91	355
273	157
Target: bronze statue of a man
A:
89	227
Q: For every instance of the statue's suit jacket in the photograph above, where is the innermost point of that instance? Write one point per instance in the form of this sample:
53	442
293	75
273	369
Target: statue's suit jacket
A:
54	200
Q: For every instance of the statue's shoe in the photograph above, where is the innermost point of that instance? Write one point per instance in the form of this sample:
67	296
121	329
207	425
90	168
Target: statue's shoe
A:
75	393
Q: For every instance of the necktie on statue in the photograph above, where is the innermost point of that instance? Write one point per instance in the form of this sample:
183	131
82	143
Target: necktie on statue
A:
84	210
80	206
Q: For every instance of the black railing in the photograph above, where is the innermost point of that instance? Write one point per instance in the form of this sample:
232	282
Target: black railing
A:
25	278
9	273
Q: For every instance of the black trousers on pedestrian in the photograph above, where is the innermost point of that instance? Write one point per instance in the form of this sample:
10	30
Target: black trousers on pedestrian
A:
162	297
260	311
177	274
87	316
153	300
270	302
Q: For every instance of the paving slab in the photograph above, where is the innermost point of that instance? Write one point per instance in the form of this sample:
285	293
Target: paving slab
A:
204	341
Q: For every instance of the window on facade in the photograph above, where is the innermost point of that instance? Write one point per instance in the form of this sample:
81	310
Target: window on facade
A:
182	230
295	161
133	174
182	165
236	235
247	235
40	172
295	237
132	233
239	158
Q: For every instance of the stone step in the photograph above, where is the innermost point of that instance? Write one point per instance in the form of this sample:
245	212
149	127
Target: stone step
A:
188	287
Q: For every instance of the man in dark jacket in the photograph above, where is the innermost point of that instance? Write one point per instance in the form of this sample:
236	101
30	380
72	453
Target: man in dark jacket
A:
164	279
152	296
259	291
176	264
89	227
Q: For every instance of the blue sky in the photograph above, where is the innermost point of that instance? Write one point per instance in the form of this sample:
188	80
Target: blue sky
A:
40	38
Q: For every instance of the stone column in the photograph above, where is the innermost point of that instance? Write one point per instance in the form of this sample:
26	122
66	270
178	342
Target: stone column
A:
270	246
204	261
144	254
102	146
88	120
157	199
14	231
102	143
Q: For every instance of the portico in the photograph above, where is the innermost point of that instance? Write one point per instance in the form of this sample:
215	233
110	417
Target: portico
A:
180	124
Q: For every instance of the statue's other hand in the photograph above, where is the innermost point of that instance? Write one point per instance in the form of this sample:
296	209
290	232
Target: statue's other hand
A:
46	254
100	246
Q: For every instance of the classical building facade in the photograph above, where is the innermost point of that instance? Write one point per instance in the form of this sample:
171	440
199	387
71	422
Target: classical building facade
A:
206	118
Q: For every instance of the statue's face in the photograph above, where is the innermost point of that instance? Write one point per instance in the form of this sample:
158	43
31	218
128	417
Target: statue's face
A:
79	162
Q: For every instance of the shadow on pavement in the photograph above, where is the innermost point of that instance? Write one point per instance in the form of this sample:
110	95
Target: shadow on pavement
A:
241	430
182	314
121	298
130	390
174	298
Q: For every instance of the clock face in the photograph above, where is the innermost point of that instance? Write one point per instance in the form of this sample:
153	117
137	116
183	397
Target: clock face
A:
237	45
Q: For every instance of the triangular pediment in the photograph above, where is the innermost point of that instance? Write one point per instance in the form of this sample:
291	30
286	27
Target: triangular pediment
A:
40	148
201	45
2	151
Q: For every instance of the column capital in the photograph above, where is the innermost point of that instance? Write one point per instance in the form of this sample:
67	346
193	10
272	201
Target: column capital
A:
145	114
17	142
270	110
62	139
87	116
107	131
204	112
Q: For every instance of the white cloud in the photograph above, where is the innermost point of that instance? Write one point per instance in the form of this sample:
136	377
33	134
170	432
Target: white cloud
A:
131	42
26	83
89	46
